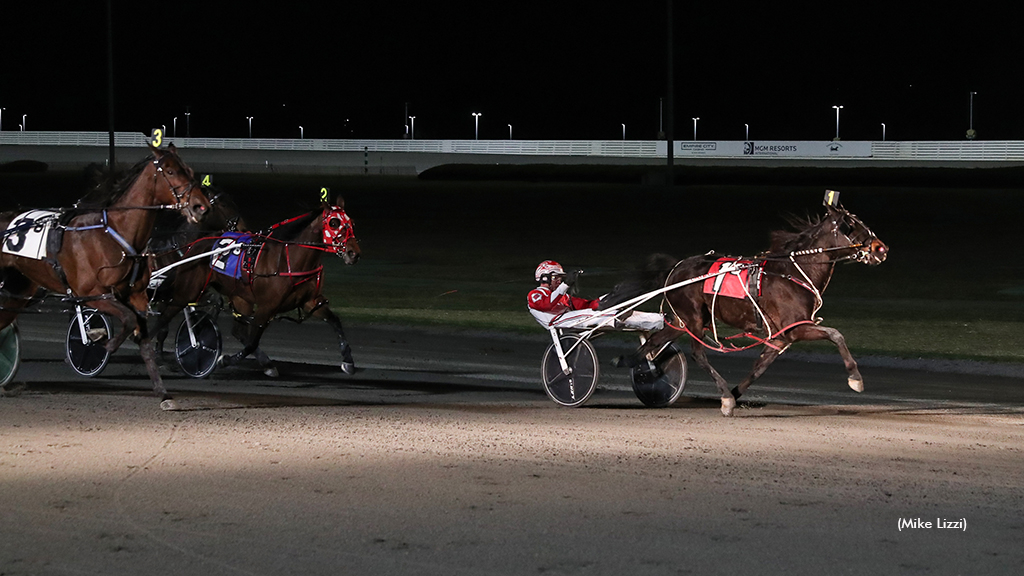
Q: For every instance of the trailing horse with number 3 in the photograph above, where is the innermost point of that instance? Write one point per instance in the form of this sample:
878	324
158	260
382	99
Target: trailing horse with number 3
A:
95	256
772	298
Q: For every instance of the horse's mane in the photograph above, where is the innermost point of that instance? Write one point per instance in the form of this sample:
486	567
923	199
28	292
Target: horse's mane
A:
109	186
291	230
803	228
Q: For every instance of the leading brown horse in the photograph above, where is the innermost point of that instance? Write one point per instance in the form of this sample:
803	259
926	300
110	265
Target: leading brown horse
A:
100	261
775	304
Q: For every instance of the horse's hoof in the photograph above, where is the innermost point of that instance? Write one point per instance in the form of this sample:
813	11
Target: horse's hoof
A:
856	384
271	372
222	361
348	368
169	405
728	405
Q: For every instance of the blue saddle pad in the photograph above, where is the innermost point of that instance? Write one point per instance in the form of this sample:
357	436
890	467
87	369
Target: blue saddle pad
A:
231	262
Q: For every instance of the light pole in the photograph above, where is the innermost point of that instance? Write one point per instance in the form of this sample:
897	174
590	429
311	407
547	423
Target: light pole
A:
476	121
249	118
883	131
24	121
623	131
747	128
970	131
412	122
695	129
509	131
2	118
302	133
837	109
188	131
175	125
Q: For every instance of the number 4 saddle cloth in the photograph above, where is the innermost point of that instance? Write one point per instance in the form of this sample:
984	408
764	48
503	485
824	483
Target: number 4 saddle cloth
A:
736	278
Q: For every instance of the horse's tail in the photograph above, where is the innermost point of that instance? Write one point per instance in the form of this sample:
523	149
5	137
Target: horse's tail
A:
650	276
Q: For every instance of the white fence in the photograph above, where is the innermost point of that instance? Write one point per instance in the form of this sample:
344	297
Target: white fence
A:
966	150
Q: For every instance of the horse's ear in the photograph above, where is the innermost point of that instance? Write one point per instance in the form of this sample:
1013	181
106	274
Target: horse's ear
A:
339	202
172	148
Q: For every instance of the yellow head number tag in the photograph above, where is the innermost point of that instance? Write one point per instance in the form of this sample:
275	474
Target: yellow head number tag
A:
831	198
156	137
325	193
207	180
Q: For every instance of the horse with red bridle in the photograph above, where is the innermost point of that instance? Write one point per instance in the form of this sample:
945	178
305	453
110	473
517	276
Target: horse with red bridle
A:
772	298
95	255
267	274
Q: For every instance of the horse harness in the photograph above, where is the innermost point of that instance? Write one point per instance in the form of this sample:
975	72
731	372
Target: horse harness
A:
56	222
750	287
336	231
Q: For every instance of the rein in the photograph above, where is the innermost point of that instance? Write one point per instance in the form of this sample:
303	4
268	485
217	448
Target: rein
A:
805	282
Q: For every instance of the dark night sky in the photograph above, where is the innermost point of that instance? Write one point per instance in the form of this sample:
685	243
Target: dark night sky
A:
554	70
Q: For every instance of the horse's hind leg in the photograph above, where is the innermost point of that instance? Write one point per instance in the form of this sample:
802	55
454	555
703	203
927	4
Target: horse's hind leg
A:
768	355
806	332
701	357
318	308
250	343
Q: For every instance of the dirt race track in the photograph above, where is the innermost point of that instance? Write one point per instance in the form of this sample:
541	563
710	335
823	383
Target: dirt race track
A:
378	477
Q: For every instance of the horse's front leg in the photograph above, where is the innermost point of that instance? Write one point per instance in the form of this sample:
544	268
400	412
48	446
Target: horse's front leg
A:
162	325
133	323
806	332
318	308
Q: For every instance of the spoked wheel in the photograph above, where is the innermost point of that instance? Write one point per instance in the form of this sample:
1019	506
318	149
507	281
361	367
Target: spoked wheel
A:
197	351
575	388
664	385
10	353
88	358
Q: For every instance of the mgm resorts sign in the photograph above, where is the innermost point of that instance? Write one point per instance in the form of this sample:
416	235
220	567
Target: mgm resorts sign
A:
777	149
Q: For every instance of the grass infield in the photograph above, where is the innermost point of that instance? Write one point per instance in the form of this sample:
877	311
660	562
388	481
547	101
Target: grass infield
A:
461	252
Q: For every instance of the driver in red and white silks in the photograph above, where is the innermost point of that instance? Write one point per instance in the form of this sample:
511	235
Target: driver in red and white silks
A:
551	305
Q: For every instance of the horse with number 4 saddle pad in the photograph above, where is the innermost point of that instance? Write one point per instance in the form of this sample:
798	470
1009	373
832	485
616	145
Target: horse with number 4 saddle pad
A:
269	273
772	299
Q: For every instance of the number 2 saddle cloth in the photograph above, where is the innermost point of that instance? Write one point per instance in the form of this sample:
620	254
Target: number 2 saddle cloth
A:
739	278
242	259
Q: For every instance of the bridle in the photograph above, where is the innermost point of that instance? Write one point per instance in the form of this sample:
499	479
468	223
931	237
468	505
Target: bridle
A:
864	247
182	196
337	230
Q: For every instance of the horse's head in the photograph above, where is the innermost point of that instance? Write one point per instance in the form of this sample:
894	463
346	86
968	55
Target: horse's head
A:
224	215
339	235
176	185
849	229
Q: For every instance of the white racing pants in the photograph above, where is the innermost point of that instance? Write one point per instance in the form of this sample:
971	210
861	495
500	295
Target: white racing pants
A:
583	319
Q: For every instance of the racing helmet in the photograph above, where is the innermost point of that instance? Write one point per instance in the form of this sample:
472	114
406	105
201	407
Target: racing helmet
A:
546	269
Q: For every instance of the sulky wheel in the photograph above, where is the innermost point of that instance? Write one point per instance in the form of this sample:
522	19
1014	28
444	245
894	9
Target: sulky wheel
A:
10	353
575	388
197	357
664	385
88	358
